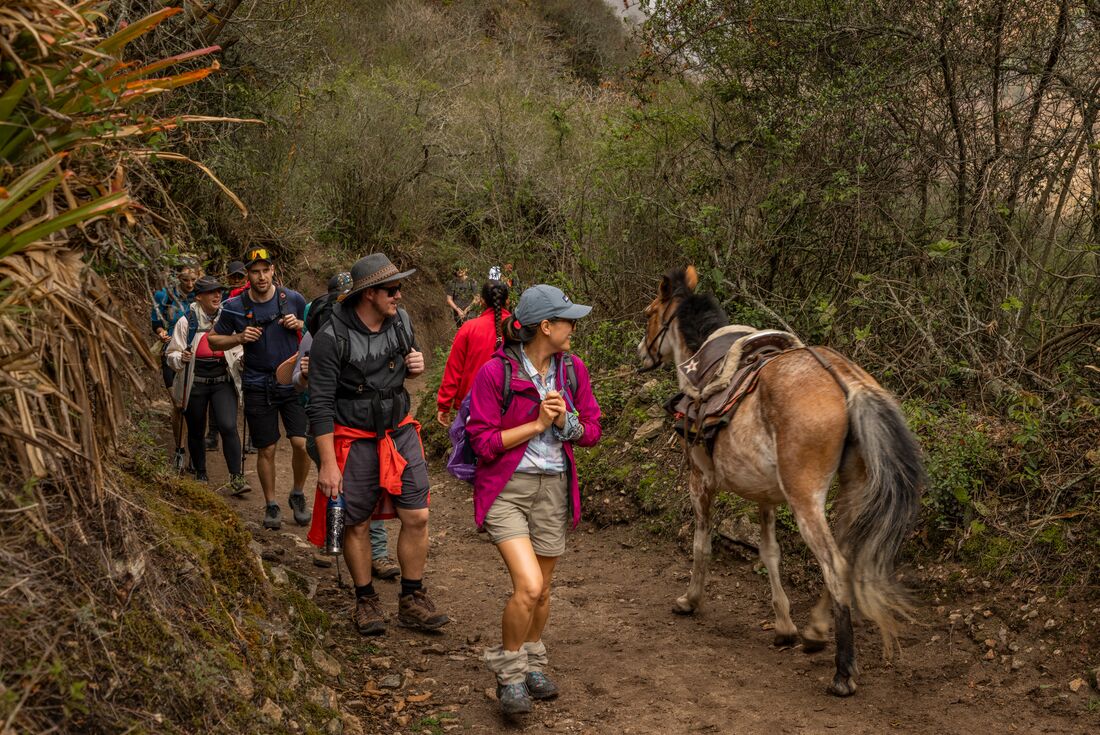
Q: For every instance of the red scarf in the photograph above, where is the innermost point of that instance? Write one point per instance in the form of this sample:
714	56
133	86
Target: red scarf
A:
391	465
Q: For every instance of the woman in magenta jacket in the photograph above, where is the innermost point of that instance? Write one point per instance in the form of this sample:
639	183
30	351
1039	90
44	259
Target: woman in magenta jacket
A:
526	494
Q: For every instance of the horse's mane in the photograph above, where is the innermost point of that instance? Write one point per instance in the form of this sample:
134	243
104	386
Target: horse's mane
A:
698	315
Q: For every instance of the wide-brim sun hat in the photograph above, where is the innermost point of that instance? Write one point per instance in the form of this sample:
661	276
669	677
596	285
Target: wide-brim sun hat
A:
547	302
374	270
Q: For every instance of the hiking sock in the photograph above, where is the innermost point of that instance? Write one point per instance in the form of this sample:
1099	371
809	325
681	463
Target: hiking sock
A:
364	590
296	491
408	586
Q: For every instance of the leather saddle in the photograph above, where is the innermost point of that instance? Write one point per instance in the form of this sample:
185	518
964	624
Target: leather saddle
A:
721	374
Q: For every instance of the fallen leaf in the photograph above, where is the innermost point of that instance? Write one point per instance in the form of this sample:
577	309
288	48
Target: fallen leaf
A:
420	697
398	706
1076	684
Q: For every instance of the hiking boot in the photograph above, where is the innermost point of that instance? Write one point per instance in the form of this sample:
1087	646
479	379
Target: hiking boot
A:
238	485
178	459
368	617
418	611
514	698
201	476
297	503
211	441
540	686
272	517
384	567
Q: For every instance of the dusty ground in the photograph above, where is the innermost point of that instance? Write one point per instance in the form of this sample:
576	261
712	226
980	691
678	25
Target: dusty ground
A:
981	659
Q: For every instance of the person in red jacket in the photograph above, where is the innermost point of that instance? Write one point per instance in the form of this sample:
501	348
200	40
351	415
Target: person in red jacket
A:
474	344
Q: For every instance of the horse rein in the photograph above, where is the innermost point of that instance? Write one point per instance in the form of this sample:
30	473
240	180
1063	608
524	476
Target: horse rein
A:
653	346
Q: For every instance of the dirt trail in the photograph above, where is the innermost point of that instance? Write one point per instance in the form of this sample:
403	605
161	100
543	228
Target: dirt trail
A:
626	664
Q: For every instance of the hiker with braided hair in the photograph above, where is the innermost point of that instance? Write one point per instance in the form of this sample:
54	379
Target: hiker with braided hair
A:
473	345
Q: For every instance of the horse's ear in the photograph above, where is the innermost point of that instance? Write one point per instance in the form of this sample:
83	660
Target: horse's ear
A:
665	289
691	278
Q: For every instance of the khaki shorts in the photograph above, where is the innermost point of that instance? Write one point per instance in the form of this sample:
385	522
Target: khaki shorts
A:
536	506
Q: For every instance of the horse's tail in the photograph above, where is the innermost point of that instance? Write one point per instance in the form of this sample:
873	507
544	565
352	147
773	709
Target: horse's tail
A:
883	510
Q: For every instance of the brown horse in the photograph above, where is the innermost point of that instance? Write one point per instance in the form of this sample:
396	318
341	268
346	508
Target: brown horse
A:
803	423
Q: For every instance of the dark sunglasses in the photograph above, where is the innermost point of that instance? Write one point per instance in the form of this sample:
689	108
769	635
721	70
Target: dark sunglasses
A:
570	322
391	291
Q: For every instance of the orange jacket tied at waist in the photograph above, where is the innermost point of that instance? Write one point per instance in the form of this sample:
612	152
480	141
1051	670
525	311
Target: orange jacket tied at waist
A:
391	465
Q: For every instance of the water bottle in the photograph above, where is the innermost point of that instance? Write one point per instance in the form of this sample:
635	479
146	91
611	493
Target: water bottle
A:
334	525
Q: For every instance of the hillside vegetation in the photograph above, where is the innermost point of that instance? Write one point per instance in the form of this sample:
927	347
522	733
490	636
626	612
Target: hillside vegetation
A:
811	169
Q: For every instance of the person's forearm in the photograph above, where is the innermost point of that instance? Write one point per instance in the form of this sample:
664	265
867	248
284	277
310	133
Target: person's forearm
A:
223	341
325	449
520	434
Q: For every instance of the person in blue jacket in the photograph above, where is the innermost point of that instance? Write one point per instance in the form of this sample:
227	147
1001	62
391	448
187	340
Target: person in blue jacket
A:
169	304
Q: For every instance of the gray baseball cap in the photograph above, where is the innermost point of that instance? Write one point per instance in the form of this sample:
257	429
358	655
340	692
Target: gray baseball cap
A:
546	302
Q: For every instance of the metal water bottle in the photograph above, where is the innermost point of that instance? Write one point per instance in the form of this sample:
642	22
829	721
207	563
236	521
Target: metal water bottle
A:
334	525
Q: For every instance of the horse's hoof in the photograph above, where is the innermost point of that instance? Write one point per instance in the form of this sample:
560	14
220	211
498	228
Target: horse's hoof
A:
842	686
812	645
683	607
784	640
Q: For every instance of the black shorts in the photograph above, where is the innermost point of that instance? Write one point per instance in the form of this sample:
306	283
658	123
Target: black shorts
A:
361	489
262	409
166	371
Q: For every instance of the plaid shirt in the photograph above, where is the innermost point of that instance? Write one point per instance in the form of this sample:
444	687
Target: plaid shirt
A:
544	455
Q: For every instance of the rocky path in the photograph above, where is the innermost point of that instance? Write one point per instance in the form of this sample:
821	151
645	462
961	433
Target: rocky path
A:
980	662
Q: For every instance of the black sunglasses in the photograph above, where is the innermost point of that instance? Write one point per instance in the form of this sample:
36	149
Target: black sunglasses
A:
391	291
571	322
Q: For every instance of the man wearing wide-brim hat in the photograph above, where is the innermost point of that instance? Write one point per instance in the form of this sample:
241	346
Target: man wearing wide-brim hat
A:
367	439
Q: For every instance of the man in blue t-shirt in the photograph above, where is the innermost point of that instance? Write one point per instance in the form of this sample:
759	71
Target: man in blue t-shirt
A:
267	320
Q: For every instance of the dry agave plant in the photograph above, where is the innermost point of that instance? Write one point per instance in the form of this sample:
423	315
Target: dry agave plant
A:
70	128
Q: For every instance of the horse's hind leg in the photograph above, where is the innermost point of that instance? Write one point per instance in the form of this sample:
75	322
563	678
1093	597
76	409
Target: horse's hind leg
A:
785	632
834	568
701	496
815	636
852	476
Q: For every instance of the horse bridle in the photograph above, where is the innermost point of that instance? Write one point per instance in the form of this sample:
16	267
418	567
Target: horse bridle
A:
653	346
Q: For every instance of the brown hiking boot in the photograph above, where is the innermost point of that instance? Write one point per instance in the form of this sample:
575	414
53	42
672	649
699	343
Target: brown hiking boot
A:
368	617
417	611
385	568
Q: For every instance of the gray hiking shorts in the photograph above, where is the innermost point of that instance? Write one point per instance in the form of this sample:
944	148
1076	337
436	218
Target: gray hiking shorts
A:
361	489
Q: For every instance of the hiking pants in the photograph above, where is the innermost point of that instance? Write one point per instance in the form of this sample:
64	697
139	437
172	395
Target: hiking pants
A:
221	399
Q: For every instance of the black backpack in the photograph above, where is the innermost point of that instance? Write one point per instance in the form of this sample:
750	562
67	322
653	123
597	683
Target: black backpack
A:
320	311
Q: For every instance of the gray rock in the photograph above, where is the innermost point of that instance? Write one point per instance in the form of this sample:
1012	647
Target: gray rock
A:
279	576
335	726
656	411
650	430
324	696
740	530
242	682
326	663
271	711
393	681
352	724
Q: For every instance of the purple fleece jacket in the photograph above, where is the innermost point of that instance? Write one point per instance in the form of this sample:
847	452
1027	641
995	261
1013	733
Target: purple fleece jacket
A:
496	465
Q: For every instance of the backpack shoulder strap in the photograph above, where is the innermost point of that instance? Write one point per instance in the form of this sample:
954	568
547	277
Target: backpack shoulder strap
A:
506	385
340	332
405	336
192	327
570	373
281	297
